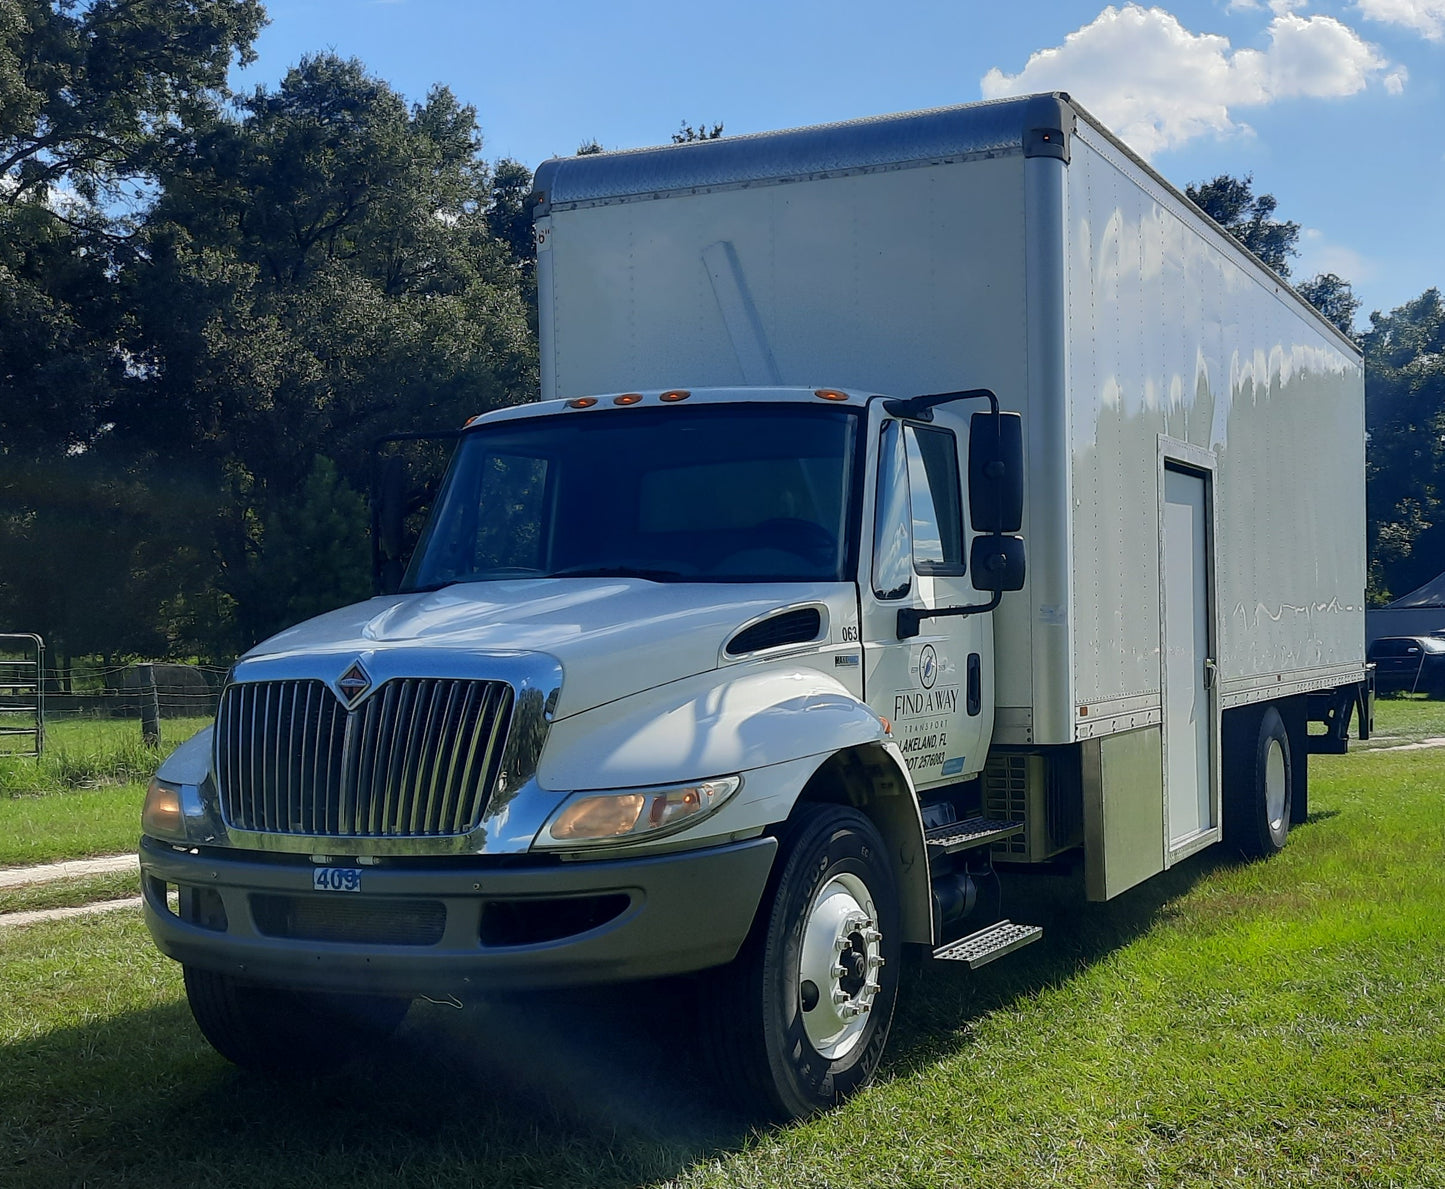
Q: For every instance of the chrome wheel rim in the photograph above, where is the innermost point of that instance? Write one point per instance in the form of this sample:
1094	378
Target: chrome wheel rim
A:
1275	787
839	965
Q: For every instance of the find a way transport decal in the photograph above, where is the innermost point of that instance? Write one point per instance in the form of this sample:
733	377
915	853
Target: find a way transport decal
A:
922	717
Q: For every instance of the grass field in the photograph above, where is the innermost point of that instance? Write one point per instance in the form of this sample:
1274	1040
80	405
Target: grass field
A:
83	796
69	893
1278	1023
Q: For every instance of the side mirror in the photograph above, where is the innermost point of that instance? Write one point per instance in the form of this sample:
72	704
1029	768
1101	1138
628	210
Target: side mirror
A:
996	474
997	563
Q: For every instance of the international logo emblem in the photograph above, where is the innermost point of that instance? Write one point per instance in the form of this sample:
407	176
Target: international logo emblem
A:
928	666
353	683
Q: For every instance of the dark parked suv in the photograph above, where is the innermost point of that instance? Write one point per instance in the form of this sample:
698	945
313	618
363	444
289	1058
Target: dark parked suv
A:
1410	663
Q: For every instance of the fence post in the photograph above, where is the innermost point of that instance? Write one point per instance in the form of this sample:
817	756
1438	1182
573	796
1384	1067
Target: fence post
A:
150	706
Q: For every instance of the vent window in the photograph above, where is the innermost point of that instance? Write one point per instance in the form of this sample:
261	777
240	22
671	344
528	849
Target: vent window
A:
791	627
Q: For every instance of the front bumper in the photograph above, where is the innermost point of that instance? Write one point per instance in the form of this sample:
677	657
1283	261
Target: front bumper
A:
455	926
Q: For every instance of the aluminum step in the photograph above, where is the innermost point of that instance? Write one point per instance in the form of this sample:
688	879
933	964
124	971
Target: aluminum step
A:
981	948
973	832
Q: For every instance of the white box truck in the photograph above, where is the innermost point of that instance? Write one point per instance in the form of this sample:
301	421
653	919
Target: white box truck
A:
724	660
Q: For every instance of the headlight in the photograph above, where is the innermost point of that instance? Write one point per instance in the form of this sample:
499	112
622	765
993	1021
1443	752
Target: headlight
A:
161	816
625	816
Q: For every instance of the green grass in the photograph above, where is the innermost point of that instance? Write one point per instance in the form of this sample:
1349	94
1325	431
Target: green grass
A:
1405	718
83	796
68	893
75	825
1278	1023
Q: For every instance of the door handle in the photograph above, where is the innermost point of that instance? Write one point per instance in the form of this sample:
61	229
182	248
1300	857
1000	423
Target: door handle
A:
1211	671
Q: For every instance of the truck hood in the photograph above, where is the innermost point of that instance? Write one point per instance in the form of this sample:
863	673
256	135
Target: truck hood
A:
611	636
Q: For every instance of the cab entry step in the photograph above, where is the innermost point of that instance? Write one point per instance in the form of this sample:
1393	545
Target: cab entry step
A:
981	948
973	832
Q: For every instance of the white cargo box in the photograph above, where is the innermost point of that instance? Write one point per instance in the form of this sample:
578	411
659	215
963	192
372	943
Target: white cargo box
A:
1016	246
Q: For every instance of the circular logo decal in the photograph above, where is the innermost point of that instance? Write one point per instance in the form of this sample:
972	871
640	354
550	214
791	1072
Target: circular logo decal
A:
928	666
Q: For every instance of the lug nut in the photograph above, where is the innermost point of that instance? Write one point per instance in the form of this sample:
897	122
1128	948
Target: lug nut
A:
841	996
875	961
872	936
837	972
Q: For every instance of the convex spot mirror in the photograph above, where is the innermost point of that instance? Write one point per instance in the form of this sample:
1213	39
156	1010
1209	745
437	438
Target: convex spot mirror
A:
996	477
997	563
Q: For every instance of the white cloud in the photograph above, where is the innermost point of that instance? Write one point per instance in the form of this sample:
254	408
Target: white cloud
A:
1425	17
1317	255
1395	81
1158	85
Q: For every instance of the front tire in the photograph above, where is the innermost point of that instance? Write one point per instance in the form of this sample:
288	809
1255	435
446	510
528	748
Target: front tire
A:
279	1030
1260	777
798	1022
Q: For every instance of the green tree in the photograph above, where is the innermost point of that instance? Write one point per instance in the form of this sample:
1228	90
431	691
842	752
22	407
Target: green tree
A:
94	101
316	548
686	134
92	94
1405	418
321	271
509	217
1232	203
1333	297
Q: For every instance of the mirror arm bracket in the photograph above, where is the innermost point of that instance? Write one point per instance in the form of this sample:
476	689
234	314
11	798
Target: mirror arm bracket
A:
910	617
920	408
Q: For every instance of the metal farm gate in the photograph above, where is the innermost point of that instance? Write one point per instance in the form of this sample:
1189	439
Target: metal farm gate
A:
22	694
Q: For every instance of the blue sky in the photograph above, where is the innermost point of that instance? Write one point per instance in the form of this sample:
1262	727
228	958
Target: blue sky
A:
1334	106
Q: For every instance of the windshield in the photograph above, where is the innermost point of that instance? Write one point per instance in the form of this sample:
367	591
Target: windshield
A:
714	493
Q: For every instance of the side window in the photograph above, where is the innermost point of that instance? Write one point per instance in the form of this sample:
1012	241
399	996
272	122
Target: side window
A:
511	504
892	541
936	501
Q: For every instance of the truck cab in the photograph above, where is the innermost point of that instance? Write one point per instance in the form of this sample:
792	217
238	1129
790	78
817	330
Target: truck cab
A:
646	638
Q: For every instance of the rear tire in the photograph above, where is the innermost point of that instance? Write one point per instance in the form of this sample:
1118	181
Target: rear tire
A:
279	1030
1258	783
798	1022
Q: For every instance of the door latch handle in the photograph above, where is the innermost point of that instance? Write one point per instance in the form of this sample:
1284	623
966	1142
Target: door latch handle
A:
1211	671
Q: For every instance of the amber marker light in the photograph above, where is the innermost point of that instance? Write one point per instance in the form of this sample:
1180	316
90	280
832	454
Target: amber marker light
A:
887	724
675	395
829	394
627	398
582	402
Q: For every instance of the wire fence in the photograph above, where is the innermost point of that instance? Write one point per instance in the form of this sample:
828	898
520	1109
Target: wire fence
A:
144	693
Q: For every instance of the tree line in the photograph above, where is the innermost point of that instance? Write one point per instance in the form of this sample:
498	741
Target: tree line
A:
211	304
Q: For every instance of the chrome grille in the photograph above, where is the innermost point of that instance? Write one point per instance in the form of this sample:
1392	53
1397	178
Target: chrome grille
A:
417	759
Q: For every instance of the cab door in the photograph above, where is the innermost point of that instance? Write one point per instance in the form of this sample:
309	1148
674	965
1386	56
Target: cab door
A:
936	688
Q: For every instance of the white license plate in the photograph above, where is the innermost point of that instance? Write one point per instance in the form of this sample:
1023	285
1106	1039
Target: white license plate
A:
336	879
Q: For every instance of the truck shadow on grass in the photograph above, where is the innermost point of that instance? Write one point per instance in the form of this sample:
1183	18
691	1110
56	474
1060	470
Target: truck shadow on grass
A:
550	1091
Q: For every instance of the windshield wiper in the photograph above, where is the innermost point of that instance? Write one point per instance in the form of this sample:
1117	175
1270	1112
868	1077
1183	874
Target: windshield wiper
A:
596	571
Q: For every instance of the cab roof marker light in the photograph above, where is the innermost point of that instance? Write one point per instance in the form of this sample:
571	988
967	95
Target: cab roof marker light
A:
627	398
829	394
582	402
672	396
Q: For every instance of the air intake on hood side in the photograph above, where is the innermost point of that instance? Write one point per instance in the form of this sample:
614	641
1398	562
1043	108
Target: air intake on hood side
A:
789	627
